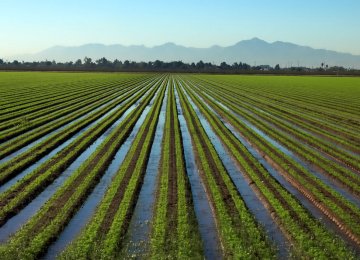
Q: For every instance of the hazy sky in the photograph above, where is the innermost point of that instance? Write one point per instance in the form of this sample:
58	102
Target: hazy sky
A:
30	26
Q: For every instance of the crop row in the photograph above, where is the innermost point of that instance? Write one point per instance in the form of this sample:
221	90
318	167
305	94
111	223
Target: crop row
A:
52	110
48	129
285	94
261	97
241	236
103	236
53	118
20	162
305	121
287	167
336	171
174	230
27	97
32	184
178	166
56	213
36	103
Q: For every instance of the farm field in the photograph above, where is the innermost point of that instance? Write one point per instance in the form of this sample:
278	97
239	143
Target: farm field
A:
187	166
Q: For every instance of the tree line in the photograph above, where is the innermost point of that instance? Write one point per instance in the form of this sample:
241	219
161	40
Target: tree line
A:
103	64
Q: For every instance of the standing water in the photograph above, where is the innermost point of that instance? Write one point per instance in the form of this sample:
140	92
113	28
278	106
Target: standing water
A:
138	234
248	195
203	211
84	214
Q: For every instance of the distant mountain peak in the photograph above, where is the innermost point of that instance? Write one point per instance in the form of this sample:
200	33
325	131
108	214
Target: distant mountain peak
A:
256	39
167	44
251	51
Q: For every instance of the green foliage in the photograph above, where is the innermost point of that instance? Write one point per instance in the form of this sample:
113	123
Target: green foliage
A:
316	118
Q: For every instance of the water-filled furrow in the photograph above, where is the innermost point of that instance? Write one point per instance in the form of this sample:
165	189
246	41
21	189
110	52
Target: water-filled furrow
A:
309	146
28	170
42	102
57	120
32	144
319	117
83	215
322	153
303	129
57	130
13	224
314	211
251	200
139	229
295	126
325	179
203	210
54	109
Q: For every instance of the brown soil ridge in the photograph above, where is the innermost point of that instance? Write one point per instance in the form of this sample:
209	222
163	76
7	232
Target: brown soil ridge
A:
171	211
56	173
306	193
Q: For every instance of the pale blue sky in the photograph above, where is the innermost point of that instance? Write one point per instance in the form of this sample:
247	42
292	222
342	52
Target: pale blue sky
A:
30	26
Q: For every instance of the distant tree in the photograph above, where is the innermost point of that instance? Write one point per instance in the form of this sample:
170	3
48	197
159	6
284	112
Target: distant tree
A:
158	64
78	63
208	66
142	65
117	62
178	65
103	62
200	65
244	66
126	64
88	61
224	66
133	65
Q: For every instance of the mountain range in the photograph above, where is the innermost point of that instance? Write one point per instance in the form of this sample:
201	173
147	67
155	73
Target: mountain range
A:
254	52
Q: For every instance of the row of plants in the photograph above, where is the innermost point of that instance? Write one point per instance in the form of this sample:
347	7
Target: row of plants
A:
36	104
21	141
21	193
240	234
103	236
14	166
303	122
36	235
290	139
322	142
294	220
69	113
174	229
26	125
342	125
334	206
52	111
37	92
334	132
286	95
